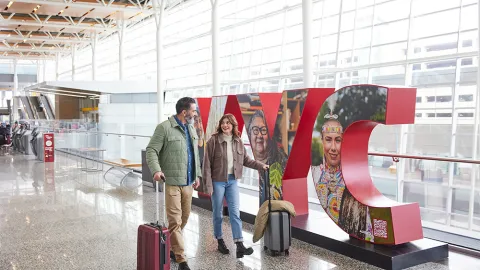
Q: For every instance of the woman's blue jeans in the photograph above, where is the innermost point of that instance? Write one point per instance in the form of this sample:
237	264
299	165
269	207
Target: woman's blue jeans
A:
230	191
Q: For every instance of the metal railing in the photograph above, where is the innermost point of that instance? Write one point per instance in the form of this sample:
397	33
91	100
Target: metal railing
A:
447	159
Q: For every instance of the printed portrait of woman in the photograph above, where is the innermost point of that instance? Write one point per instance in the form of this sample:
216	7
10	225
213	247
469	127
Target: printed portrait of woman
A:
264	150
198	125
258	134
336	200
328	178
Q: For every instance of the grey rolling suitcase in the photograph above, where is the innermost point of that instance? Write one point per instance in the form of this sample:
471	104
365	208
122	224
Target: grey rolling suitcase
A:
278	233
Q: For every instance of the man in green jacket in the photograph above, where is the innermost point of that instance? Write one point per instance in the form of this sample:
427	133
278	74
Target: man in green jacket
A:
172	156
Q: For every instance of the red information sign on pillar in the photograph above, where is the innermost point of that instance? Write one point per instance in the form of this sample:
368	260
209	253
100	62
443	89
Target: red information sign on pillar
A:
48	147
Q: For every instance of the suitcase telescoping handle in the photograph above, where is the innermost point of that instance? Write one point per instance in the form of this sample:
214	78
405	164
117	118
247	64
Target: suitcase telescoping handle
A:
267	181
163	253
157	217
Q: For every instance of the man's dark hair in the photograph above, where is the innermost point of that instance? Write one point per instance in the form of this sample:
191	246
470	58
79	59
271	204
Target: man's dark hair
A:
184	104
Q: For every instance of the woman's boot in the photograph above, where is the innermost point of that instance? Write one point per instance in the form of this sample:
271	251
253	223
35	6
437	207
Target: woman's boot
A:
242	250
222	247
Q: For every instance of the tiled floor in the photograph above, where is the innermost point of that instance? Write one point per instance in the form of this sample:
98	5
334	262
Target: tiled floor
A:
58	217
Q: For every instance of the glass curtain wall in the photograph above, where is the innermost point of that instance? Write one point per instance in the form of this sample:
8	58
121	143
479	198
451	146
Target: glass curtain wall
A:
430	45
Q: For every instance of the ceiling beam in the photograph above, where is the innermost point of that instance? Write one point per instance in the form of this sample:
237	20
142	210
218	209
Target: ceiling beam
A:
110	6
27	57
6	49
66	26
39	39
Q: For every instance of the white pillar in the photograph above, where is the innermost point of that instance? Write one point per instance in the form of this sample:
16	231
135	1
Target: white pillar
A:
339	29
159	8
57	62
44	64
475	168
38	71
15	91
2	99
73	62
94	56
307	43
217	90
121	53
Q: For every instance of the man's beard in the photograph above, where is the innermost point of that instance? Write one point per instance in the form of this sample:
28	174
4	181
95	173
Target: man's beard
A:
190	120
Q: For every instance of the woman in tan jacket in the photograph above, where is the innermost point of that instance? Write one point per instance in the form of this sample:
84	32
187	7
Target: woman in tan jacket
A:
223	164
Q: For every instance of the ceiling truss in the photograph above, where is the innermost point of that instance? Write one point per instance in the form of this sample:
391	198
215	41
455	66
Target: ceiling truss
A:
40	29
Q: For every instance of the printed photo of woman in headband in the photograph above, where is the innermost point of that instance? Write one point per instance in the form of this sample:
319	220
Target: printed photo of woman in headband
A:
336	114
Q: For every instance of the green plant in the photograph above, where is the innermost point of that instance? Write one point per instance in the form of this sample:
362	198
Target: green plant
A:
317	151
276	174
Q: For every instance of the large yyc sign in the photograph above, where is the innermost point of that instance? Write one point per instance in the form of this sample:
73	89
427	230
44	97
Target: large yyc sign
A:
327	132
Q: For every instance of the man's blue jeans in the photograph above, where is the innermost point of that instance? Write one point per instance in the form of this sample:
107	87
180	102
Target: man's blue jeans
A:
230	191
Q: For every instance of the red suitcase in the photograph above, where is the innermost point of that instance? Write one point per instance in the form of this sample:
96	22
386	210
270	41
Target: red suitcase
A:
153	245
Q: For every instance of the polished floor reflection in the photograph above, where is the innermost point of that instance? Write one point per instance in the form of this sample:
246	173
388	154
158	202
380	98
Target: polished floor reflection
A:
56	216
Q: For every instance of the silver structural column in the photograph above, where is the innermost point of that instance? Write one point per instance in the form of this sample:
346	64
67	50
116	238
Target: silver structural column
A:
94	56
38	71
159	7
121	53
57	62
217	90
307	43
73	62
15	91
475	168
339	29
44	64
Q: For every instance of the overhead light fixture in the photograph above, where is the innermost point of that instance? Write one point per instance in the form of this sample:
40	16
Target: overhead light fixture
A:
53	93
36	8
9	5
67	91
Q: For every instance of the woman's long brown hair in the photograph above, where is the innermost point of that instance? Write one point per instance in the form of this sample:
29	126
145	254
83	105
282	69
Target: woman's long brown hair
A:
232	121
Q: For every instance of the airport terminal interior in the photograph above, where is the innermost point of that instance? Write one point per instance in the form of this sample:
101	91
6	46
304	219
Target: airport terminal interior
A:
84	84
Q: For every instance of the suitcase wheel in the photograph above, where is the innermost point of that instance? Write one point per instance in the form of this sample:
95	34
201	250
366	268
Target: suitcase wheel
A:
265	248
287	252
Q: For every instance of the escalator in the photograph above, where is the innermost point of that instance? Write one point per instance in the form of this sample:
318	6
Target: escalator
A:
27	107
37	107
47	107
